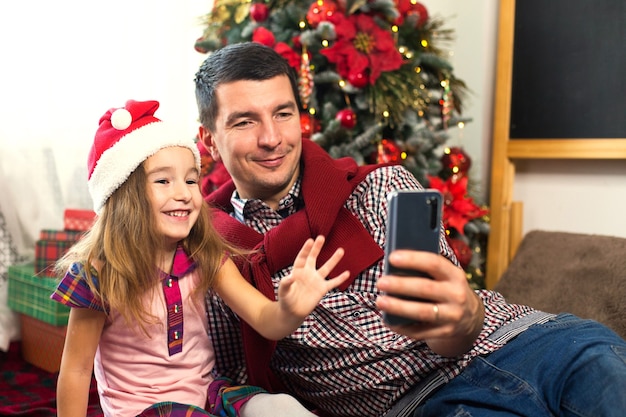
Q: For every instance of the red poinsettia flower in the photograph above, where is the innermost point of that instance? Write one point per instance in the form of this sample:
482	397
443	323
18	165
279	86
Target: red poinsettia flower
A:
361	46
289	54
459	208
263	36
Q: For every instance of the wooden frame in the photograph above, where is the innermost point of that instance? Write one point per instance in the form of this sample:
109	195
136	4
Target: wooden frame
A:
506	215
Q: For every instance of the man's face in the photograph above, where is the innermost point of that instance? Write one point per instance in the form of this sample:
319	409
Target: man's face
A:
258	137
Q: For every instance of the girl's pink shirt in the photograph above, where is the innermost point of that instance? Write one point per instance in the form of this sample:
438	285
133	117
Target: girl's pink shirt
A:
134	371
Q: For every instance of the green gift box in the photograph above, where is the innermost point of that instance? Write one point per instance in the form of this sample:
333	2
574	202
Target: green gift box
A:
30	294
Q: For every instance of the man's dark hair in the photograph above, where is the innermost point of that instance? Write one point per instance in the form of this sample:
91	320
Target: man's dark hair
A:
236	62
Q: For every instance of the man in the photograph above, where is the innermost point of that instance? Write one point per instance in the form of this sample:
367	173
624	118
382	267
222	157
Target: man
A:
472	352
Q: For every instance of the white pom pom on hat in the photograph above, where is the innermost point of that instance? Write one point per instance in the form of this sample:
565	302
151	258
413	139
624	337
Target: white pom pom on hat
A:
125	138
121	119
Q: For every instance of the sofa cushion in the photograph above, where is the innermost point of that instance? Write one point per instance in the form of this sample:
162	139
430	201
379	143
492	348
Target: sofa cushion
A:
569	272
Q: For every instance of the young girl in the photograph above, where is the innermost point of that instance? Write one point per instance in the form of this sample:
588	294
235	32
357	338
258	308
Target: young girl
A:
137	280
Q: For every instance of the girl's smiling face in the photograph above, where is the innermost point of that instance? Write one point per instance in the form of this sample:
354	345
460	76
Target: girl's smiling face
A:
173	191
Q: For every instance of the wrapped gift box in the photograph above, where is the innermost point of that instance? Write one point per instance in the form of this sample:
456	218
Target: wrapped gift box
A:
30	295
42	343
51	234
47	252
78	219
51	246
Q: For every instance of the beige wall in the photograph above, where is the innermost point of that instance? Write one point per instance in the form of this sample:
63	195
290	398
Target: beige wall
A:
473	58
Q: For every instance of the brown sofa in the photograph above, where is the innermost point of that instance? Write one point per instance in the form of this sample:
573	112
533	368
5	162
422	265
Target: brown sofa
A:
570	272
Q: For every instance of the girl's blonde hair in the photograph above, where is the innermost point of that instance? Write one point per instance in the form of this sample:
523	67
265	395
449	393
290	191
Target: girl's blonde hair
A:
123	243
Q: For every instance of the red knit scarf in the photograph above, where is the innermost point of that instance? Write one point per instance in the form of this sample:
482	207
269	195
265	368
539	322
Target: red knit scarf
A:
326	185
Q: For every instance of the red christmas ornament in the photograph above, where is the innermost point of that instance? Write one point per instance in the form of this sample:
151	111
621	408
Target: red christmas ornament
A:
198	46
419	10
347	118
456	161
319	11
309	125
407	8
358	80
462	251
387	151
259	12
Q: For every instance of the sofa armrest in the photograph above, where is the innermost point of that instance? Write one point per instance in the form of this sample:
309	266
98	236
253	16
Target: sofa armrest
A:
568	272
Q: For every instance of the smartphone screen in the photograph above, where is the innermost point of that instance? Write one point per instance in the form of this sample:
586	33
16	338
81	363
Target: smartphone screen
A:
413	222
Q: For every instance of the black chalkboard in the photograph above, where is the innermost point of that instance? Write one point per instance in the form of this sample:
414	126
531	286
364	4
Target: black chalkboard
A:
569	69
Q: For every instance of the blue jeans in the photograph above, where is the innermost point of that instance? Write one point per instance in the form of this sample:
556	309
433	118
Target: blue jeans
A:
565	367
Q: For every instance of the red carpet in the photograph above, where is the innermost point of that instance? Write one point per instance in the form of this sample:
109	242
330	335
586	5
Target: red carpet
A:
28	391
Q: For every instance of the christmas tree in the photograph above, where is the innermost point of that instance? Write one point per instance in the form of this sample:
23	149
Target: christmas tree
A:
375	86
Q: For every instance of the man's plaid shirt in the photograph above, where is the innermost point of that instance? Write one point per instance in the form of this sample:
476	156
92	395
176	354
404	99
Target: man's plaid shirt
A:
343	360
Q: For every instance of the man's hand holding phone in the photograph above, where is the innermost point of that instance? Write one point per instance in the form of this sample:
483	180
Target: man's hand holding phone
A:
413	222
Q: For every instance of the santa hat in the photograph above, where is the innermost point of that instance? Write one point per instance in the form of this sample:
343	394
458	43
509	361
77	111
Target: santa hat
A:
126	137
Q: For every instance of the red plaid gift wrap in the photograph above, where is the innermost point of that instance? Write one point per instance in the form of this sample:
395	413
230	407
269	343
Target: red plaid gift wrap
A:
47	252
50	234
78	219
51	246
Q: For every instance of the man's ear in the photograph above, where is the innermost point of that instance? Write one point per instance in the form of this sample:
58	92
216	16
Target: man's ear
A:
207	139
